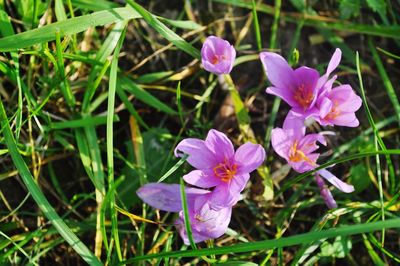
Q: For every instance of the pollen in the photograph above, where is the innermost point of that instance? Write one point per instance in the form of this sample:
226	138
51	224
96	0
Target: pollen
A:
225	171
303	96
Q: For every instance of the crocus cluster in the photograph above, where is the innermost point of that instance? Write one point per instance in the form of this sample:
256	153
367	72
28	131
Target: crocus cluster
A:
220	176
309	96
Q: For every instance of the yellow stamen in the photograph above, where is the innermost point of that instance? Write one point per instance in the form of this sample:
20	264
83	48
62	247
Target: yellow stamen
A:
225	171
298	156
303	96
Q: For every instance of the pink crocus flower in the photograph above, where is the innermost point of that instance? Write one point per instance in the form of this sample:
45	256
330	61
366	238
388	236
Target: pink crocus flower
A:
217	55
338	106
206	223
298	87
219	166
298	149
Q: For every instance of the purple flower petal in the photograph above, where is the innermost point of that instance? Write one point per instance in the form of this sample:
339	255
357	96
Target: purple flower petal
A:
306	87
334	62
308	143
224	196
249	157
218	55
166	197
342	186
325	107
219	144
282	93
206	222
346	119
278	71
281	142
347	99
294	125
203	179
200	156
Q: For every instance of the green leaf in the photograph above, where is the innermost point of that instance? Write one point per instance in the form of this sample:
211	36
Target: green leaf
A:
359	177
378	6
68	27
349	8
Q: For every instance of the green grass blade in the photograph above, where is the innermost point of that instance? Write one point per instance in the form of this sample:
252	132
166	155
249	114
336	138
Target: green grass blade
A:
256	25
386	81
142	95
65	87
91	5
185	207
38	196
274	29
68	27
110	139
173	169
277	243
60	10
87	121
165	31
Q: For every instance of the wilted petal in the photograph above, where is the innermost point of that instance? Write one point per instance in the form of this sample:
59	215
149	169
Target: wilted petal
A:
278	70
219	144
342	186
200	156
249	157
203	179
